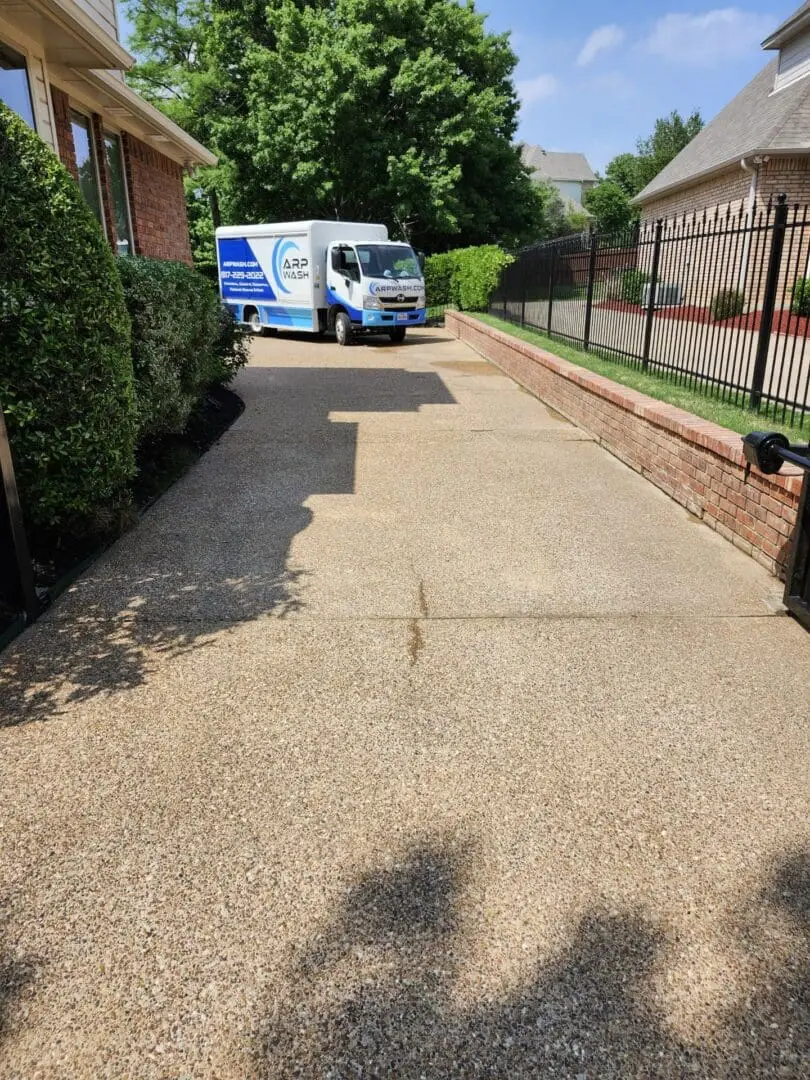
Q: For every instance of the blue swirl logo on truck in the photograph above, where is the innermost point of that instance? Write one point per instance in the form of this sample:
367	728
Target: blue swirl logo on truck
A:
288	266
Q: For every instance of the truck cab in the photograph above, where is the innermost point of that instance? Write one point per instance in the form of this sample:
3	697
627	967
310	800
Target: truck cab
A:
373	286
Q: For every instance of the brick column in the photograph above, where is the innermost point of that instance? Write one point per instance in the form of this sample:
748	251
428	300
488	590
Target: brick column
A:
64	132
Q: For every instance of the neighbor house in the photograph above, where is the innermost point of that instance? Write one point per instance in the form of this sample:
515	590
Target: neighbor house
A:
570	174
60	69
757	147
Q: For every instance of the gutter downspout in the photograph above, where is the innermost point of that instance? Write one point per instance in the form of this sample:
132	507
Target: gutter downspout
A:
753	169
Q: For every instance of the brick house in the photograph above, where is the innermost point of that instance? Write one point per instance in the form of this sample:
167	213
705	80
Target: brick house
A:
60	69
756	147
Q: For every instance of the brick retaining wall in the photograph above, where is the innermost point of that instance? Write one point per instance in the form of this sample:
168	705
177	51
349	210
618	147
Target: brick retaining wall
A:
697	463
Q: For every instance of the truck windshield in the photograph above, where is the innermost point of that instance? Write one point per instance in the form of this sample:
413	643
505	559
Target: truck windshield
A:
388	260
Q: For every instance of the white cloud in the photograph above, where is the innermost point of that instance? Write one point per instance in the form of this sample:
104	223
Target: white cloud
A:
603	38
540	88
721	34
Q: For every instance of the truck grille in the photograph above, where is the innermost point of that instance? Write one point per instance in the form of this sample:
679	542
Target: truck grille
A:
399	303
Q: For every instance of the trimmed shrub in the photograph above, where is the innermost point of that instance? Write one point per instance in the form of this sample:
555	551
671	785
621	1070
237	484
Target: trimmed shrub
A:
183	342
439	272
65	364
465	277
727	303
632	285
800	301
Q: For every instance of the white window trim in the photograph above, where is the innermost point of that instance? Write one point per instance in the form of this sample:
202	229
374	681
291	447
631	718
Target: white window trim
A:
94	155
107	130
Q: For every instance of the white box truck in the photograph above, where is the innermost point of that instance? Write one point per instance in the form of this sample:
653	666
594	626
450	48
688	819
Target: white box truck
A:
336	277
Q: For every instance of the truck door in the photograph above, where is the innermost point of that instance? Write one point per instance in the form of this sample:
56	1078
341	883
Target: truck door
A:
343	288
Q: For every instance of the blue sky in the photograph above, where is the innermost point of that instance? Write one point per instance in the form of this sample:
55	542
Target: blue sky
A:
594	78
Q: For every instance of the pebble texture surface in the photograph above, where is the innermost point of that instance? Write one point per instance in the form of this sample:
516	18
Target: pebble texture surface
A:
410	735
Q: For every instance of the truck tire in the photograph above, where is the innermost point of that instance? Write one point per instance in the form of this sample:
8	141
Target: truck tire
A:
343	329
397	334
254	321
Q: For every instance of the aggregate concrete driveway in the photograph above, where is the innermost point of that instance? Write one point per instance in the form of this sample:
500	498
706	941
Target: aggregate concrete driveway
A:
410	735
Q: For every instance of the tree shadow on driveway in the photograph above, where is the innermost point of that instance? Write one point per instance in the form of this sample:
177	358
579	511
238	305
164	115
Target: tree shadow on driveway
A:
214	550
373	995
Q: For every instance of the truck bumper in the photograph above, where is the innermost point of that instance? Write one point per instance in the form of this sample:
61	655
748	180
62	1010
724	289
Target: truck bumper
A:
389	320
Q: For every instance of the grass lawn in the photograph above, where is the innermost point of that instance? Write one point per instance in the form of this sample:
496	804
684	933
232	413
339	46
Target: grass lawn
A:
726	413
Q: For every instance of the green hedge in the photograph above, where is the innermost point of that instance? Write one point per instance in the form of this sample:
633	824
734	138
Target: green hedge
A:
183	342
727	303
800	299
465	278
65	364
632	285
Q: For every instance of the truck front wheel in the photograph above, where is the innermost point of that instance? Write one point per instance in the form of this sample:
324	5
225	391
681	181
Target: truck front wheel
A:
343	328
397	334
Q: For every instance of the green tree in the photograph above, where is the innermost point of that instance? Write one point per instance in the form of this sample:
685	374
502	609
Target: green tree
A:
632	172
670	135
401	111
609	206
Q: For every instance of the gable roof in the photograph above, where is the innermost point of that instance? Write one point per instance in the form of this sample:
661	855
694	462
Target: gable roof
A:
556	165
757	121
788	28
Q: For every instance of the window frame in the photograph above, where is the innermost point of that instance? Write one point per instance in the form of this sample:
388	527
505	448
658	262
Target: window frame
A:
91	139
105	132
25	55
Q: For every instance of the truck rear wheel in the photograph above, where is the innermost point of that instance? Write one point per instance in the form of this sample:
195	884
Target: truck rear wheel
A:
397	334
254	321
343	328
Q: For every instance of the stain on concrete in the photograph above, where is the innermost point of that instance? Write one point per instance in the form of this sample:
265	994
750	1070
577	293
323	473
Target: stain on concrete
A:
469	367
416	641
423	607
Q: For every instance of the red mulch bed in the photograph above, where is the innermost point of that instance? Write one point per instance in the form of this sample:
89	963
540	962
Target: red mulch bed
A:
783	321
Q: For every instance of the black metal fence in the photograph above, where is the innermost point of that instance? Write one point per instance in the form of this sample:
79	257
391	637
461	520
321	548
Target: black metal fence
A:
719	301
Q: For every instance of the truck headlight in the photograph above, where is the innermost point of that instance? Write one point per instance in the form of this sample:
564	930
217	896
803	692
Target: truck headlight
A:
371	303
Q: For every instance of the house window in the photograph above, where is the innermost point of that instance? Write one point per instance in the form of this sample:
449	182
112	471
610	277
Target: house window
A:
118	189
15	89
86	164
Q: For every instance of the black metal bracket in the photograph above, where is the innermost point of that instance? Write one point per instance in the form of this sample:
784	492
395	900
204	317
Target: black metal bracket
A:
769	450
16	571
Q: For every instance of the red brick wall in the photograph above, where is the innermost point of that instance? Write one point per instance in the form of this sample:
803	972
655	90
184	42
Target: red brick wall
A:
157	202
64	132
697	463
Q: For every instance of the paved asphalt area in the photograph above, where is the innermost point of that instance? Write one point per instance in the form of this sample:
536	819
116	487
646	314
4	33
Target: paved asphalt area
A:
410	735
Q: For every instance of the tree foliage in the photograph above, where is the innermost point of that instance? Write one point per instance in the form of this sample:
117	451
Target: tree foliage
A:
625	176
400	111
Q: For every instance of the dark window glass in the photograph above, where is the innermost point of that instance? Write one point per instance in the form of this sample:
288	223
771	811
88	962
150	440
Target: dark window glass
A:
15	90
118	188
86	163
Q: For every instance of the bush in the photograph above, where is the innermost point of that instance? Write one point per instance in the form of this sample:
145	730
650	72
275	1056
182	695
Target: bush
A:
182	342
65	365
465	277
632	285
800	302
439	274
727	303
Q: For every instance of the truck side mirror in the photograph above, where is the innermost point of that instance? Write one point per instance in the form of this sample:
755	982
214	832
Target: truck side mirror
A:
420	255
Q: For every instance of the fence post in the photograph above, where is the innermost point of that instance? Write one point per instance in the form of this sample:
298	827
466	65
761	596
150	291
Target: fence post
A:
552	267
769	300
589	299
523	298
16	572
648	326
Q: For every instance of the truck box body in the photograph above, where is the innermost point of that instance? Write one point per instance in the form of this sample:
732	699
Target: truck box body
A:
282	276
